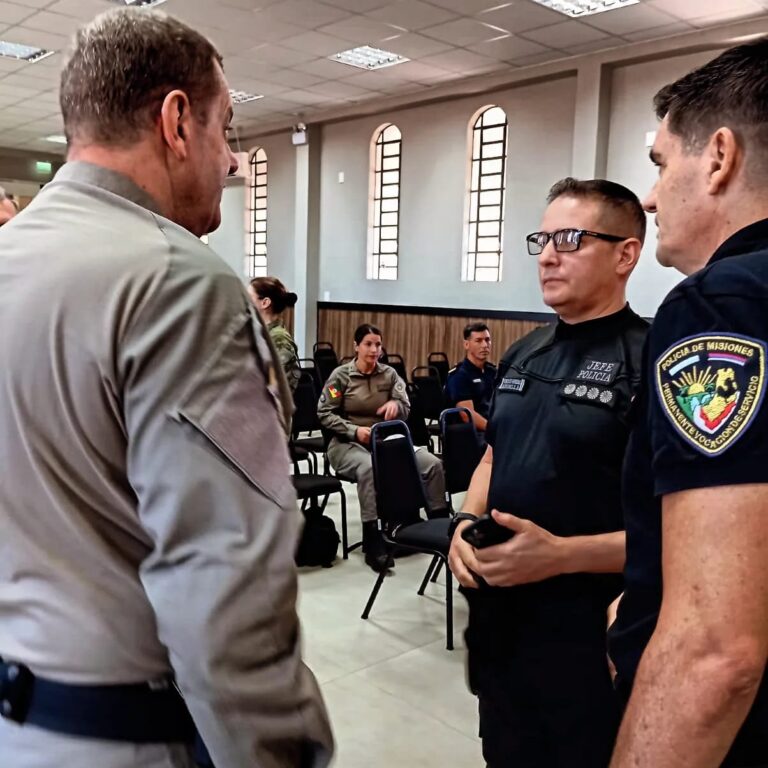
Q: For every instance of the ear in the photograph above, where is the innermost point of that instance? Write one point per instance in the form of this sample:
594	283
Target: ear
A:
176	123
628	256
723	154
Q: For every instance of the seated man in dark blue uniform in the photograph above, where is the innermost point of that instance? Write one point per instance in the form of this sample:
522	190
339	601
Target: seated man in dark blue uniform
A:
470	383
693	654
557	432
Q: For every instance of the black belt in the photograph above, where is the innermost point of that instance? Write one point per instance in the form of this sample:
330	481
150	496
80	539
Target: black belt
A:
140	713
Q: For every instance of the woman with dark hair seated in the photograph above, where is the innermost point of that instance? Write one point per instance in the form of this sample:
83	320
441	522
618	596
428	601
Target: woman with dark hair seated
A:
271	299
356	396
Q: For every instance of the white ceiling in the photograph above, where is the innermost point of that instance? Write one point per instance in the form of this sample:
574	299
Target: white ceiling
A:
279	47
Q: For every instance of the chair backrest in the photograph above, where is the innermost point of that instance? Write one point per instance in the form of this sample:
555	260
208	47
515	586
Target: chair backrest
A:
461	448
428	385
439	361
415	421
325	359
305	399
307	365
400	493
396	361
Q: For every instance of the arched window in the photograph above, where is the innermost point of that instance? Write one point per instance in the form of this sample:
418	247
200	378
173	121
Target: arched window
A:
257	214
384	213
484	230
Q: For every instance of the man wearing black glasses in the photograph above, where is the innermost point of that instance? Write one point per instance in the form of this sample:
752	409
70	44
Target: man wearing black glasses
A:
556	433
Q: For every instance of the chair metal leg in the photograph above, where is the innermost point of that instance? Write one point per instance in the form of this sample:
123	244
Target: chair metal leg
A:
437	570
432	563
372	598
344	539
448	607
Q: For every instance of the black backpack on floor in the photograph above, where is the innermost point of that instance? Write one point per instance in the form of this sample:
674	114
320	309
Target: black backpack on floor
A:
319	543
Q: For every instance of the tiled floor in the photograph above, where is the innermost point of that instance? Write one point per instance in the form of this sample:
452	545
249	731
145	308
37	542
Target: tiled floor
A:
396	696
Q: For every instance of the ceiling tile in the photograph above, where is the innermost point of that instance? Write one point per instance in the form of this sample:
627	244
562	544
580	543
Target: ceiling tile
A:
357	6
464	32
252	5
325	68
378	80
10	13
31	84
695	9
343	90
294	79
465	62
278	56
657	33
236	66
632	18
304	98
361	30
521	16
414	46
33	3
596	45
507	48
47	40
466	7
317	43
538	58
428	74
256	86
565	34
11	65
305	13
412	14
57	23
80	9
727	14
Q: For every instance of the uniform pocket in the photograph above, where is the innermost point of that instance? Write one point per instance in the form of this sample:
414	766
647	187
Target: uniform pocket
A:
228	401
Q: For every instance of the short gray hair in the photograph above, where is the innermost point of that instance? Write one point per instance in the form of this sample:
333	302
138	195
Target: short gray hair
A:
122	66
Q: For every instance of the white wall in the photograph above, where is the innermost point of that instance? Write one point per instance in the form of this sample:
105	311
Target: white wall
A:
632	116
229	239
433	188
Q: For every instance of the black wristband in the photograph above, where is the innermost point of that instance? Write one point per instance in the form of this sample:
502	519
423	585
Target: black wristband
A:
460	517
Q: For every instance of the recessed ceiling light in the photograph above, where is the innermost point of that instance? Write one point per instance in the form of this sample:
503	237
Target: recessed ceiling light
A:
56	139
578	8
138	3
241	97
23	52
368	57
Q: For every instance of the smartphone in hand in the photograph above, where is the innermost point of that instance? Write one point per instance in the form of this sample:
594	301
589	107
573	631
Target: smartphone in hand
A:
486	532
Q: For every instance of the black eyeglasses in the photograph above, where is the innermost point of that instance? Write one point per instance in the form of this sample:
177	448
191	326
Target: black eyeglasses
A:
564	240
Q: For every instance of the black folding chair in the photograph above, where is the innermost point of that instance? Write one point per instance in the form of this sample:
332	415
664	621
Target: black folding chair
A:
305	419
439	361
417	425
461	449
346	548
325	359
307	365
400	497
426	380
396	361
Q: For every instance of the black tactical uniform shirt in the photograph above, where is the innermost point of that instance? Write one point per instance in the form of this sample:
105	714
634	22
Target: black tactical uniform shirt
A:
701	422
559	428
468	382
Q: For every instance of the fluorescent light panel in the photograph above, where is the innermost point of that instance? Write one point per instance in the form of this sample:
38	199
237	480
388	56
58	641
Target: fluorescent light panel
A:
578	8
241	97
19	52
368	57
138	3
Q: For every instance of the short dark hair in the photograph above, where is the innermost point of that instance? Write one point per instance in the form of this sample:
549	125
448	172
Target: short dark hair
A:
122	66
471	328
363	330
273	289
731	90
616	196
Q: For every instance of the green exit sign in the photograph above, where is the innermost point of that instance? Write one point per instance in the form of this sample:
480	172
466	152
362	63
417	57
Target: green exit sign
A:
42	167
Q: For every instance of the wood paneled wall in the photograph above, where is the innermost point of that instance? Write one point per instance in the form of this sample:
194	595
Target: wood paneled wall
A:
414	335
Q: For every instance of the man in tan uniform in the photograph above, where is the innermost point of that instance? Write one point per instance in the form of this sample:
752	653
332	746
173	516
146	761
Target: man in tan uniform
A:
147	516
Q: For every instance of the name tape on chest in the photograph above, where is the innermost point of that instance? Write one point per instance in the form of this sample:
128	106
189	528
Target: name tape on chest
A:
513	384
711	387
596	371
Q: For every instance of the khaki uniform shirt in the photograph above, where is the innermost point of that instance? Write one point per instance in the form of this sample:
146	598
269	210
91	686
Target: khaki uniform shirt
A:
147	517
350	399
287	351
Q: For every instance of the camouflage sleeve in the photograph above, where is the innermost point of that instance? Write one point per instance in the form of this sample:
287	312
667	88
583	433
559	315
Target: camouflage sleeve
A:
289	358
330	407
400	394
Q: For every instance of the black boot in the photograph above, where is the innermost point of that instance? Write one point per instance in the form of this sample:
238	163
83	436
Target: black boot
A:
376	556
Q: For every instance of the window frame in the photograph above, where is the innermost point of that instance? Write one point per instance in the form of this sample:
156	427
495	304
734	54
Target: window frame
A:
256	230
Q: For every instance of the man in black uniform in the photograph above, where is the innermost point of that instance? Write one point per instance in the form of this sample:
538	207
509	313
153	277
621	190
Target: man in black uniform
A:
557	433
697	465
470	383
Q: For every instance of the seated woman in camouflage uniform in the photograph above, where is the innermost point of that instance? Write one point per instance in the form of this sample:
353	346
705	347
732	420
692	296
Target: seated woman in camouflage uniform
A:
272	299
356	396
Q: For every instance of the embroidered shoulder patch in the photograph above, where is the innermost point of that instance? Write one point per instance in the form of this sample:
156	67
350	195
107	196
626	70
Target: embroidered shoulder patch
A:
334	393
711	387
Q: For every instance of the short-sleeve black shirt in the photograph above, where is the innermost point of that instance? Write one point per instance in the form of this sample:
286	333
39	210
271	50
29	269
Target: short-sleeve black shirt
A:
701	422
468	382
558	427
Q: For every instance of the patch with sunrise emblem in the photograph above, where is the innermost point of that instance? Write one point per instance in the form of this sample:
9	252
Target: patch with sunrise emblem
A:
710	387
